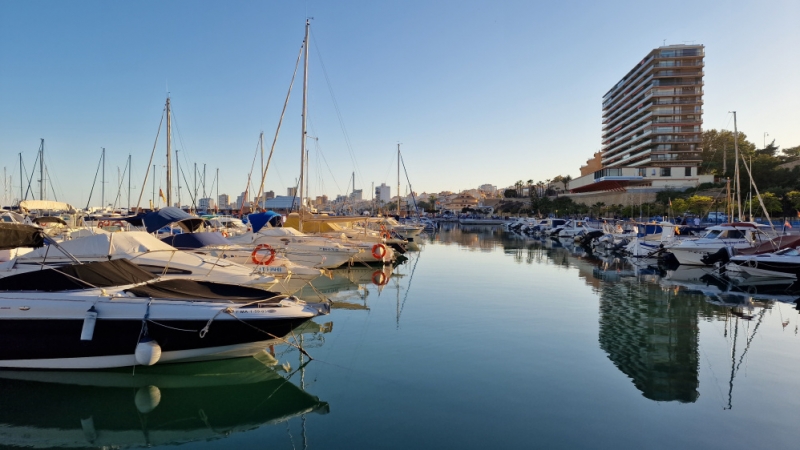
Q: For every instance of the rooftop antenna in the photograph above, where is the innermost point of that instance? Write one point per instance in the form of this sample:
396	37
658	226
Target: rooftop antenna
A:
664	43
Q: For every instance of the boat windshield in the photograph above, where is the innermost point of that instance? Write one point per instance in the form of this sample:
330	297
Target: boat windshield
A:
788	252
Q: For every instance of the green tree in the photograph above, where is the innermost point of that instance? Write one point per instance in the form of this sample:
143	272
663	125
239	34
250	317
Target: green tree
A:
699	204
793	198
510	193
718	145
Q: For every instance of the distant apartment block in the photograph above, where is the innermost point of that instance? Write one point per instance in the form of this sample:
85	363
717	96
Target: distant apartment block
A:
383	193
224	201
489	189
653	116
206	204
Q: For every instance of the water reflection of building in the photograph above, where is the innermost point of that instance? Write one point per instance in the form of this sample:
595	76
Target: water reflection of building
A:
652	336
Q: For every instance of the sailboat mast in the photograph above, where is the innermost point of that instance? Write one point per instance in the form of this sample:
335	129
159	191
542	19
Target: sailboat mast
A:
736	169
398	180
130	169
103	180
42	186
305	117
21	179
169	154
178	175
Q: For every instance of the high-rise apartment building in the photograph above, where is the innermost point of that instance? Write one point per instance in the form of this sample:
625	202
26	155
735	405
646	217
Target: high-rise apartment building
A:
653	116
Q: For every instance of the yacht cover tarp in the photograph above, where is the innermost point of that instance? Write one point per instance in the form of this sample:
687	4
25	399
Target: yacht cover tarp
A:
105	244
156	220
102	274
31	205
258	220
195	240
199	290
14	235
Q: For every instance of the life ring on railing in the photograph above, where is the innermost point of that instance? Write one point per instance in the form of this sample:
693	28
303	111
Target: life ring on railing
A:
261	261
752	262
379	278
224	233
103	224
378	251
118	223
385	234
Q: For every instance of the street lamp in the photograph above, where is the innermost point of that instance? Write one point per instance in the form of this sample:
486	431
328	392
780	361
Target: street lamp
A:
765	140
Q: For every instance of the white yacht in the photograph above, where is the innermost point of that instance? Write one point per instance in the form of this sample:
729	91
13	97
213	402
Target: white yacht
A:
734	235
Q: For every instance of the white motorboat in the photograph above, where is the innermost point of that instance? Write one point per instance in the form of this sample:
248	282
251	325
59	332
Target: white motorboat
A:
734	235
145	251
114	314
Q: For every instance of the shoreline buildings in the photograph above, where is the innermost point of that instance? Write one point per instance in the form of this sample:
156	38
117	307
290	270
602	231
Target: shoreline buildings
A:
652	126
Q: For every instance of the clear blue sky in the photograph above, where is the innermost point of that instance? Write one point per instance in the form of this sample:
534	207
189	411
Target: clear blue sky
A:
476	91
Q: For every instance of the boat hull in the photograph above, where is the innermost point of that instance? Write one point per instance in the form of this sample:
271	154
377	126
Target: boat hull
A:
56	344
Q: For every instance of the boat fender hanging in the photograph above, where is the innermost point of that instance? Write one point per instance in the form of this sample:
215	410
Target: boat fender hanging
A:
88	324
148	352
147	398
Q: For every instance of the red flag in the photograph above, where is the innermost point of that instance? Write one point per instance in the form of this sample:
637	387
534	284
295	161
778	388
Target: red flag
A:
787	224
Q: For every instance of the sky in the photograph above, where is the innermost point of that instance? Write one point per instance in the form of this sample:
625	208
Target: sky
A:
475	92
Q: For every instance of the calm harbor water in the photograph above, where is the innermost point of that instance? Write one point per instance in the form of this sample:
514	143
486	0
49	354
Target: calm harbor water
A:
479	340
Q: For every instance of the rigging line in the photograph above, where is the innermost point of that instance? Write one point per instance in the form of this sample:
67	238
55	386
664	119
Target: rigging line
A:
280	121
413	197
338	111
330	171
191	192
249	177
119	187
147	172
319	152
30	180
52	188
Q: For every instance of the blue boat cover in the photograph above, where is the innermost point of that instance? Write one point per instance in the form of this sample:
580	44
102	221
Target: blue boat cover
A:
165	216
258	220
195	240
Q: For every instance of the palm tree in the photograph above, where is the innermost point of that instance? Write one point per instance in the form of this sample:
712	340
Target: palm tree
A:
530	183
566	181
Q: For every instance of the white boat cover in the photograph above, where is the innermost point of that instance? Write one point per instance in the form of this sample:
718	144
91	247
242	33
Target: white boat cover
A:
50	205
104	244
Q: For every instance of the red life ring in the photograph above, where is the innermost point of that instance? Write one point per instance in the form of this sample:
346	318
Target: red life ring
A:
262	261
103	223
224	233
379	278
376	253
385	234
118	223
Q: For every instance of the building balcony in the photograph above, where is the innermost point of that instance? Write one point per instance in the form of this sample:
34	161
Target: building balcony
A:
677	139
677	83
678	73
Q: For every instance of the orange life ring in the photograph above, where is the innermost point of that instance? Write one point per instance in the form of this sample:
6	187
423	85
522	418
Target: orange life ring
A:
224	233
262	261
385	234
378	254
103	223
118	223
379	278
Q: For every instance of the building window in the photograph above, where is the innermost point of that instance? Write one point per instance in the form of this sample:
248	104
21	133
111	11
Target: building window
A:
666	172
688	172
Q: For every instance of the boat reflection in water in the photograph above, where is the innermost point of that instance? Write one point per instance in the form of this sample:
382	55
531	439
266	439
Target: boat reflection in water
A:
158	405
